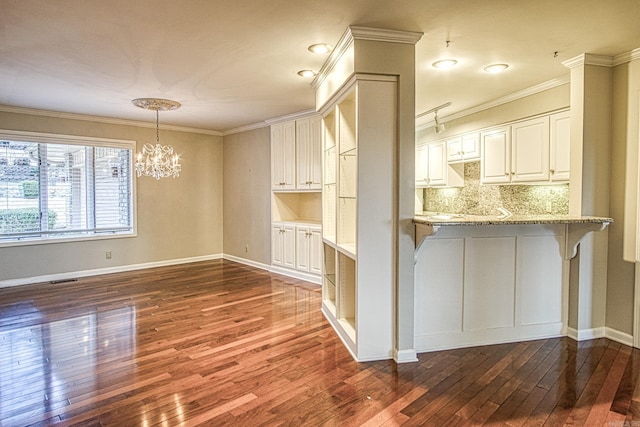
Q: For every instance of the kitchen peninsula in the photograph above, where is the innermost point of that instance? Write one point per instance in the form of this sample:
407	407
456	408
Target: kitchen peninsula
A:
489	279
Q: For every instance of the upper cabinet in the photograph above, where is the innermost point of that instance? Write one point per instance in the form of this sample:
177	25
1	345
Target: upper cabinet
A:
308	154
495	166
283	156
559	143
529	151
465	148
433	169
296	155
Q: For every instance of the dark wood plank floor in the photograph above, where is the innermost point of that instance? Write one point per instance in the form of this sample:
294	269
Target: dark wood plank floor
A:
220	343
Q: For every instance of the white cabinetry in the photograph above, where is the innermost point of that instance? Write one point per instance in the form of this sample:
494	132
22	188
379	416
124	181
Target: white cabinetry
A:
534	150
283	152
308	154
433	169
495	167
530	150
295	155
296	202
309	249
283	245
422	165
464	148
560	142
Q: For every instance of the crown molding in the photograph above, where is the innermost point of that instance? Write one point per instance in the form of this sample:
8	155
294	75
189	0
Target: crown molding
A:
354	32
246	128
382	35
589	59
289	117
625	57
345	42
108	120
550	84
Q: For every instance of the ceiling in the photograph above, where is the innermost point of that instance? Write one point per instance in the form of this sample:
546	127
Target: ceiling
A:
233	64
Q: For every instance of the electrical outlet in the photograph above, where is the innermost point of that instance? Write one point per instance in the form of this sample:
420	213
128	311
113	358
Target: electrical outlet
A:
107	254
246	248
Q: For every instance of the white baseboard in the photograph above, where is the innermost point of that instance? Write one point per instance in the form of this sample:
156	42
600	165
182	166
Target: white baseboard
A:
248	262
132	267
405	356
296	274
586	334
617	336
108	270
313	278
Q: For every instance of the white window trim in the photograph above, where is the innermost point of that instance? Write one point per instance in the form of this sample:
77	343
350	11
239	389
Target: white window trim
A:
51	138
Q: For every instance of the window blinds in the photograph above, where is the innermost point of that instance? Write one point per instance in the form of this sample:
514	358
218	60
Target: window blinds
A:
64	188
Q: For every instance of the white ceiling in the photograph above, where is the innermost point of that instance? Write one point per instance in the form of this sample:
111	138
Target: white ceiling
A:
233	63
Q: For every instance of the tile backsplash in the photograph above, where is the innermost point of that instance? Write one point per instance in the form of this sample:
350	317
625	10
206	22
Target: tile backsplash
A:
476	199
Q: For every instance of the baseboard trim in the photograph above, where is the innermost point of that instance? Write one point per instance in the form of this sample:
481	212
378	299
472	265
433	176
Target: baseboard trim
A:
617	336
405	356
108	270
296	274
586	334
248	262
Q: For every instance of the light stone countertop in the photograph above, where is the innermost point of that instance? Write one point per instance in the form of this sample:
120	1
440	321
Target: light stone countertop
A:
441	219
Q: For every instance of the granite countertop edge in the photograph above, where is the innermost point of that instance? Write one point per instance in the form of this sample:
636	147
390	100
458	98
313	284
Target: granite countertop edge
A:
510	220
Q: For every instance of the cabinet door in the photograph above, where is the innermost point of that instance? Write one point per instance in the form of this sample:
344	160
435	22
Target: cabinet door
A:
437	168
495	166
303	151
277	244
471	146
315	153
315	250
559	146
455	152
302	248
530	150
283	156
422	159
289	246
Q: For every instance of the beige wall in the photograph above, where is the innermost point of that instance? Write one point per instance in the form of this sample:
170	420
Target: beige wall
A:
176	218
247	192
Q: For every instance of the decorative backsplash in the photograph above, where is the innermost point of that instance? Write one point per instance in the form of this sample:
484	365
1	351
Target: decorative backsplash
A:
476	199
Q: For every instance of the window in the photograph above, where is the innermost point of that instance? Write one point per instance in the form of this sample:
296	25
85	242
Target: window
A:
56	187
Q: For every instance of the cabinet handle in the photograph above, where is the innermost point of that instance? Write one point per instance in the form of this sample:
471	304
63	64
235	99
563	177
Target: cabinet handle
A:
513	173
552	171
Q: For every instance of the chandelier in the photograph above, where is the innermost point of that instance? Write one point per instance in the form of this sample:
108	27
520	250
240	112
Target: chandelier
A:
158	161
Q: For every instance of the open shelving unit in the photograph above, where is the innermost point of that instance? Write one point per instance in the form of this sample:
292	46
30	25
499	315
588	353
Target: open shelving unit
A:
359	140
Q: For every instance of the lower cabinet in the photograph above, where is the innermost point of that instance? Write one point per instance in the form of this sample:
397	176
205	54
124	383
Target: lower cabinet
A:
297	246
283	245
309	249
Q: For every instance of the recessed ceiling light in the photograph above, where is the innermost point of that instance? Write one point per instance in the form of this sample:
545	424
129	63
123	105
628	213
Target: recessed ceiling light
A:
306	73
495	68
445	64
320	48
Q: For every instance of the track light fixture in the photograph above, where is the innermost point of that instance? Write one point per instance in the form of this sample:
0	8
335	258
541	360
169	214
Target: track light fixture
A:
439	127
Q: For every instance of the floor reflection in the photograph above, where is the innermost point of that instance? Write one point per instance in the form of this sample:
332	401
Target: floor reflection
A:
42	361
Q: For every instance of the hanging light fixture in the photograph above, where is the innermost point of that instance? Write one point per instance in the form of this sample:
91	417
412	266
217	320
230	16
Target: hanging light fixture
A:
158	161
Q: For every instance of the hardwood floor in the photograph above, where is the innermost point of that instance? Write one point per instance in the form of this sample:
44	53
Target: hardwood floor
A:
220	343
